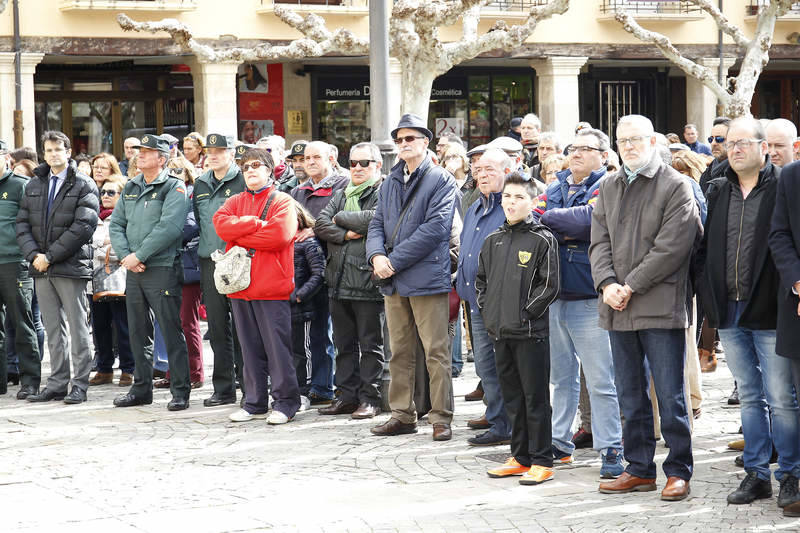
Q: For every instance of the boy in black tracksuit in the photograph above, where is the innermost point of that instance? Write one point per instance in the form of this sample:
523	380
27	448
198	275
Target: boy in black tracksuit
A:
518	278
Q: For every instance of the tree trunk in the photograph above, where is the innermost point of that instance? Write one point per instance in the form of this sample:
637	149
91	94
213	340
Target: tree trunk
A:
417	79
738	106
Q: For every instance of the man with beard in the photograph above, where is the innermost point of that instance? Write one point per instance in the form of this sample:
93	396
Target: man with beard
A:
717	168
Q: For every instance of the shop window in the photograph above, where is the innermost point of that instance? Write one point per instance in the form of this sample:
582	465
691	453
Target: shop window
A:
91	127
91	86
138	119
511	97
48	117
479	110
343	123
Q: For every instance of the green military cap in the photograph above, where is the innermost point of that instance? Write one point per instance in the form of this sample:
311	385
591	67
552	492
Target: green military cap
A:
242	148
154	142
216	140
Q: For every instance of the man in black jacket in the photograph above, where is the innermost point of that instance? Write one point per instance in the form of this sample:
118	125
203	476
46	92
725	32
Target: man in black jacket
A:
784	242
739	293
55	223
716	140
355	302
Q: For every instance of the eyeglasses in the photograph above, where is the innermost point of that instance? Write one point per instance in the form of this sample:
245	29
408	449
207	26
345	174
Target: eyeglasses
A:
363	162
177	170
408	138
632	140
719	139
741	144
582	149
108	192
96	167
255	165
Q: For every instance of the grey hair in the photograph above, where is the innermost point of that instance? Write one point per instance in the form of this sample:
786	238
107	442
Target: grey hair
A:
602	139
638	120
531	117
756	126
552	137
498	155
665	154
323	147
374	151
786	127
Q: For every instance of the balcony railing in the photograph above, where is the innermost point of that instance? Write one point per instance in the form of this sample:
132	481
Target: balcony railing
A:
514	5
756	5
649	7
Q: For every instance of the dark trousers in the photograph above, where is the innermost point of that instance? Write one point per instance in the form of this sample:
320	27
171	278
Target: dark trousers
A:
301	354
221	334
637	355
10	331
523	369
107	316
157	289
358	336
16	292
322	354
264	328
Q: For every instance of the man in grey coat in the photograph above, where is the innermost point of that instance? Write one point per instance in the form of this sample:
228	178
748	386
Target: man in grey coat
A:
644	226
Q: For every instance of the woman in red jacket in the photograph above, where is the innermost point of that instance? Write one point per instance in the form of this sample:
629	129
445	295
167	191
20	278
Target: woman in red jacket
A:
261	311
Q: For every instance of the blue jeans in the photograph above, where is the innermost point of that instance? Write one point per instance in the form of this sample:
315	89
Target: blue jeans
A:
322	353
455	352
765	384
637	355
486	367
574	335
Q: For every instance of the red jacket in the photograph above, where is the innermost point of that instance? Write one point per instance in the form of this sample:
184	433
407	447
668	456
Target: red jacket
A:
272	269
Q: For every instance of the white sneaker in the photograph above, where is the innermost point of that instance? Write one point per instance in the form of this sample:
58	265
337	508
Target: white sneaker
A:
276	418
305	403
240	415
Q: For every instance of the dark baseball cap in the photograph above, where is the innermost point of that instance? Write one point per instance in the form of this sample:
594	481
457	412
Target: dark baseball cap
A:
297	149
154	142
171	139
242	148
217	140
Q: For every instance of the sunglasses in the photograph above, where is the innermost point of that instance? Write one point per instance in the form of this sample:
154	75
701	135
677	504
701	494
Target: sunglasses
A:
408	138
255	165
363	162
108	192
718	139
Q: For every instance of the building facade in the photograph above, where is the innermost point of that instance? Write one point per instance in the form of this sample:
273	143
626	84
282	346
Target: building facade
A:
82	74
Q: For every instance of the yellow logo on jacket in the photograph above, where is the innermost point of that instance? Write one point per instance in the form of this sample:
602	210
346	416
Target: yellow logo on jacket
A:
153	196
5	196
227	192
524	257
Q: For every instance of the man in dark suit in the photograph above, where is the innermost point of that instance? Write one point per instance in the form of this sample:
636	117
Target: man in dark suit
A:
784	242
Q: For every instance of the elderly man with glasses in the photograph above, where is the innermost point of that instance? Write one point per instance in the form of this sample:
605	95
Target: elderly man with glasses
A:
644	226
408	247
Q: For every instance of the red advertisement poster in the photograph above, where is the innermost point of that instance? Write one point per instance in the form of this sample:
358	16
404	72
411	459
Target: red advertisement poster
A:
260	101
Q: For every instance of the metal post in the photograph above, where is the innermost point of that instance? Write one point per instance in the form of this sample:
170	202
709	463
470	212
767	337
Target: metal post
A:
379	80
17	79
720	68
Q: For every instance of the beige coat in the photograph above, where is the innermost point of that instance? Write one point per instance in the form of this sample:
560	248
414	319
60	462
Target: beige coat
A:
642	235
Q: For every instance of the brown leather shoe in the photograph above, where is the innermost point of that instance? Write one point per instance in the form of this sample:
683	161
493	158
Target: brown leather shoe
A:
339	407
708	360
475	395
102	378
627	483
126	380
675	490
393	427
366	410
793	509
478	423
442	432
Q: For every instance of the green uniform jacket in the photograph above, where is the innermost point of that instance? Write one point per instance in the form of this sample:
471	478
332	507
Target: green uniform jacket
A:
12	187
149	218
209	195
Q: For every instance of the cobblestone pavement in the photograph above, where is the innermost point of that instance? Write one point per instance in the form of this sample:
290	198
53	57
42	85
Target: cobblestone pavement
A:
92	468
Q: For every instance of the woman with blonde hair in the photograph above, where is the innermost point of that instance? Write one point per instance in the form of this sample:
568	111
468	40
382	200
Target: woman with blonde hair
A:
104	165
194	150
689	163
454	159
551	165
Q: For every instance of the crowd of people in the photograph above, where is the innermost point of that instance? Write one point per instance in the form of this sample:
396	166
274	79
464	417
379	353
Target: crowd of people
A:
614	277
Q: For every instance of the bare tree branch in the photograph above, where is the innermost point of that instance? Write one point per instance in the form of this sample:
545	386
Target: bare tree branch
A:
722	22
3	4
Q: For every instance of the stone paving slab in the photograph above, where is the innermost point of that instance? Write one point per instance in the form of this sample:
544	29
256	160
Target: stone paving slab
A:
93	467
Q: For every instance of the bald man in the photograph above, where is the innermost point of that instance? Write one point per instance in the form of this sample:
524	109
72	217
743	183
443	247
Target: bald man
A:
782	141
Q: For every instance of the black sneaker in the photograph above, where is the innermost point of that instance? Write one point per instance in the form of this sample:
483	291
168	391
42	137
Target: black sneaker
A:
487	438
733	399
788	493
752	488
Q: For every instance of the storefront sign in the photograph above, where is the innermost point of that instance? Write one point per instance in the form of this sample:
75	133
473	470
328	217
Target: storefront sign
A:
449	125
343	88
297	122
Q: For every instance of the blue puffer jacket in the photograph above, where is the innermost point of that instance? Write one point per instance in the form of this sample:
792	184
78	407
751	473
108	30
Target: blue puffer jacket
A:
482	218
420	255
309	273
191	243
571	216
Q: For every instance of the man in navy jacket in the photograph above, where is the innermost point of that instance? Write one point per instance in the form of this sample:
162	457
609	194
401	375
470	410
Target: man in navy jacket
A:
408	247
575	334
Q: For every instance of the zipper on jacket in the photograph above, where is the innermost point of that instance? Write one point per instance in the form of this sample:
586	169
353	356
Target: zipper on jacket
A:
738	248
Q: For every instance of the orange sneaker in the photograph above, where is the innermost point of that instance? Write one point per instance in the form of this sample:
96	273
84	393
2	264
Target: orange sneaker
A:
536	475
509	468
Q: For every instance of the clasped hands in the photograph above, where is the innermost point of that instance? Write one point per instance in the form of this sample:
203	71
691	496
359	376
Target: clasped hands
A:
382	267
617	296
132	263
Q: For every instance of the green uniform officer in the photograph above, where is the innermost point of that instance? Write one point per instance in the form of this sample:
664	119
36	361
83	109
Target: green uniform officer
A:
146	231
16	285
222	181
